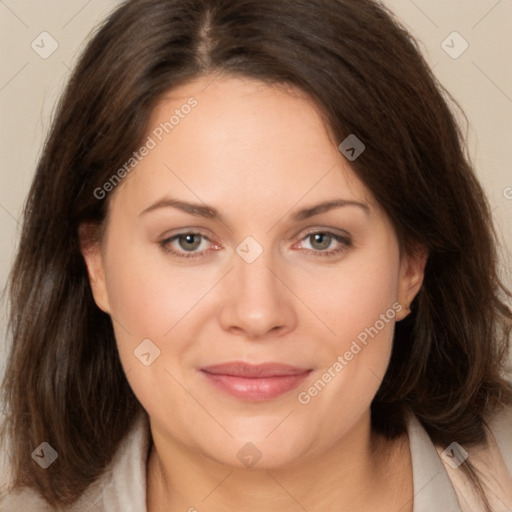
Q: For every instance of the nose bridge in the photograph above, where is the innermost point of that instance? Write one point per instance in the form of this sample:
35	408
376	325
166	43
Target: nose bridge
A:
253	260
257	286
257	301
258	277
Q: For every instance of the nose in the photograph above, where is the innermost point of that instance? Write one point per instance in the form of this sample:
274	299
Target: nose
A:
257	302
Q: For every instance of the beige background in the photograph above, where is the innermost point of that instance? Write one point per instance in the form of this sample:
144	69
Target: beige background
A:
480	80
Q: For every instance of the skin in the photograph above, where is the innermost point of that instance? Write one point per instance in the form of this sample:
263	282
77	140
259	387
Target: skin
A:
256	153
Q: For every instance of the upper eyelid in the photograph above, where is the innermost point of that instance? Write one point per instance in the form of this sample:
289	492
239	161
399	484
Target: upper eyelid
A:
307	232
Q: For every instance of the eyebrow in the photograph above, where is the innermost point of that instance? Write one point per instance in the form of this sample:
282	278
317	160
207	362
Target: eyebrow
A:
208	212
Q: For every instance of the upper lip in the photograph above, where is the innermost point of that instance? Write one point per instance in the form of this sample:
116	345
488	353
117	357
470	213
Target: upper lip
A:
254	371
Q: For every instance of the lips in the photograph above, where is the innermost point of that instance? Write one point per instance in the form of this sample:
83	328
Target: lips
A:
255	382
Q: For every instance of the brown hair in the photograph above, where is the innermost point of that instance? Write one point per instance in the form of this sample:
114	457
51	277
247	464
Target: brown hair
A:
64	383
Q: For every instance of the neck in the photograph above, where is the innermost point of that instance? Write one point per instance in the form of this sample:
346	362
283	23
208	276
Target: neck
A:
360	472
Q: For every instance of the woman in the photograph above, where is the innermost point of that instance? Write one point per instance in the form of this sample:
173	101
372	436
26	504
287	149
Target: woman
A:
256	272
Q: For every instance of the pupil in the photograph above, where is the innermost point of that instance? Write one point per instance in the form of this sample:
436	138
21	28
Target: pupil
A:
189	240
323	240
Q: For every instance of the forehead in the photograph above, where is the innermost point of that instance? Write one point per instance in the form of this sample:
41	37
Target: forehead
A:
242	140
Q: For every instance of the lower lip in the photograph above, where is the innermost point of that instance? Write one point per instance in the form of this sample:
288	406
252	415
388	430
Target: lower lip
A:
258	389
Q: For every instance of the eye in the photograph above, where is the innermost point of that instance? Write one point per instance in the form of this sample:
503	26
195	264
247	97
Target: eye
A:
182	243
195	245
321	241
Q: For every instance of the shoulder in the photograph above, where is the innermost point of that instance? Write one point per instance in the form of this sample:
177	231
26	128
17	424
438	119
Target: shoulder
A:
24	499
122	486
440	475
500	434
491	460
28	499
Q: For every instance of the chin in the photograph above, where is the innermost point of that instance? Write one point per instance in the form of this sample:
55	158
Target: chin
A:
264	453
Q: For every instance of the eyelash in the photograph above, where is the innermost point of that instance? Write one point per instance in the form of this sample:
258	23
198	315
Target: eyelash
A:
345	242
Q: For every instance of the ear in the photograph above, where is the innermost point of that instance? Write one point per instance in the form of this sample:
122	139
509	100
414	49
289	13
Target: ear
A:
412	272
90	247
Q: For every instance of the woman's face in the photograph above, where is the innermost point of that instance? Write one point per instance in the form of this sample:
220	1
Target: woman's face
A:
311	293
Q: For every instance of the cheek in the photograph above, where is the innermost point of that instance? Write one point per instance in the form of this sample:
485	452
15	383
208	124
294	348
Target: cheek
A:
144	305
147	300
351	297
146	292
152	299
358	304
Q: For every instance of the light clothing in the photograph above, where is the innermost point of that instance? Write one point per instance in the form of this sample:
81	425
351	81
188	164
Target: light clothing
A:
438	487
